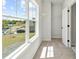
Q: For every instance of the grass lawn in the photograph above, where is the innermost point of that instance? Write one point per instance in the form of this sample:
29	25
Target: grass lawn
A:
31	35
11	39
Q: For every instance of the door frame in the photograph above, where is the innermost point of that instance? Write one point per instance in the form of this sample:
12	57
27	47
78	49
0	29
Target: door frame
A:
69	23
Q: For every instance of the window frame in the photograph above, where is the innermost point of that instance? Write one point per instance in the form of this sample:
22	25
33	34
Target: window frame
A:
16	17
36	20
28	41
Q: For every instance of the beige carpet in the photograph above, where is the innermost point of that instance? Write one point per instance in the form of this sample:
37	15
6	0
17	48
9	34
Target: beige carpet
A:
54	50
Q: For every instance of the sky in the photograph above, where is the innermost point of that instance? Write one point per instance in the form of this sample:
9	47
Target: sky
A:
9	8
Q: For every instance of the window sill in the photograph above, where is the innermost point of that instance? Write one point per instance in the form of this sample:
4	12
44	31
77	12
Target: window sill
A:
32	39
18	51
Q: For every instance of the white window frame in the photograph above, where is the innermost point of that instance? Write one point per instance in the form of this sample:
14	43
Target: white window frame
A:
36	22
28	41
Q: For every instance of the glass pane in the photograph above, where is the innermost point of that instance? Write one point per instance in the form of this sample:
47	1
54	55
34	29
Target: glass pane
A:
22	9
30	10
9	7
34	12
13	29
31	29
32	18
13	34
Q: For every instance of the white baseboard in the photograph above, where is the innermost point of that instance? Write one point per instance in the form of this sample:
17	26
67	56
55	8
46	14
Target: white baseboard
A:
56	38
46	39
74	49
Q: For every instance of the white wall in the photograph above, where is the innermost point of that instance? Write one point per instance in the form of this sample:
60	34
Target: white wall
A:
56	21
46	20
66	5
30	51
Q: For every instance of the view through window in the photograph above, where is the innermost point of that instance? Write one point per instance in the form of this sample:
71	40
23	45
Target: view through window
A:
13	27
32	19
14	24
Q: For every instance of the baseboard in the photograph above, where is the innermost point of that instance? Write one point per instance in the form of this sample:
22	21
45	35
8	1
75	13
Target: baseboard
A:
46	39
56	38
74	49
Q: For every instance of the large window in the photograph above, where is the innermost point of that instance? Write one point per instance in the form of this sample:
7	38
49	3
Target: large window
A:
14	21
19	22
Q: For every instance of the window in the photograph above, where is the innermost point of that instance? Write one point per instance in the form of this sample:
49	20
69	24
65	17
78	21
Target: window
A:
19	22
14	24
9	7
32	19
31	28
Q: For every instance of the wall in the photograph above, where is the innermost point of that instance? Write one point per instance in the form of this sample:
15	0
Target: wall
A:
65	18
46	20
73	25
56	21
30	51
68	3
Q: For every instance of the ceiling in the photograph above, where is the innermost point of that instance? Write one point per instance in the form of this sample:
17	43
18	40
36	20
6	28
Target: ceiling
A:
57	1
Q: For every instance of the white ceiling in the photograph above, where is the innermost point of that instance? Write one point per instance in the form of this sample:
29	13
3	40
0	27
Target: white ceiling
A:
57	1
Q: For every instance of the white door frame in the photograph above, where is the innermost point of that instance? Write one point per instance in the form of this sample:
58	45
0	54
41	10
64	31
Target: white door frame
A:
69	28
69	23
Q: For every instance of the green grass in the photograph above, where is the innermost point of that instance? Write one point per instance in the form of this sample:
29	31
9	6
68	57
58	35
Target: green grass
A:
31	35
11	39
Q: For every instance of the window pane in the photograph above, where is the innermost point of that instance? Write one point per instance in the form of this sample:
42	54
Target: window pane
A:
13	35
34	11
21	9
32	18
31	28
30	10
13	25
9	7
